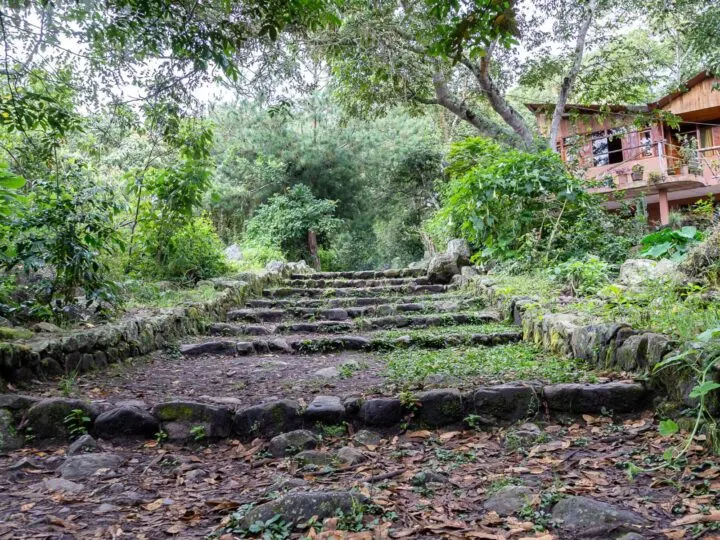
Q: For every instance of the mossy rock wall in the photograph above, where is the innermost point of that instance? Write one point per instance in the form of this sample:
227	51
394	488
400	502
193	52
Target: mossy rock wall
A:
607	346
95	348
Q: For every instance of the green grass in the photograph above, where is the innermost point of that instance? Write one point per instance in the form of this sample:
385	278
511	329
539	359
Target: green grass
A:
496	364
680	312
536	284
15	333
441	331
141	294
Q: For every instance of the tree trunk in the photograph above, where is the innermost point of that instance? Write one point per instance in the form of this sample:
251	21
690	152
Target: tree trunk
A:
313	249
569	79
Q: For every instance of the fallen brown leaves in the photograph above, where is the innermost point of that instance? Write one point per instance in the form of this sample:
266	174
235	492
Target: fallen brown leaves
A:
187	492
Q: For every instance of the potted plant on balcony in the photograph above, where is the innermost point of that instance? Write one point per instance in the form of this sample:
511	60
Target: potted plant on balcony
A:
622	176
637	172
688	154
656	177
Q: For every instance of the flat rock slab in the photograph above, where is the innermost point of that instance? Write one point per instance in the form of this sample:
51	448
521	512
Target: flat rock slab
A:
326	409
297	508
509	500
584	517
619	397
83	466
292	442
208	347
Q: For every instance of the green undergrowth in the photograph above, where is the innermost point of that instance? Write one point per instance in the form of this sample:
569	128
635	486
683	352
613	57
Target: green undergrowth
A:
442	331
679	311
502	363
142	294
9	334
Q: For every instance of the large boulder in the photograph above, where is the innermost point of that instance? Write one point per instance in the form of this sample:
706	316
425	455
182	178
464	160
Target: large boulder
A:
233	253
442	268
459	249
296	508
583	517
46	419
635	272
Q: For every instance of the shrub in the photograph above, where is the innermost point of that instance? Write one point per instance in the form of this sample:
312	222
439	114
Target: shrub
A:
504	200
285	219
58	240
192	253
583	277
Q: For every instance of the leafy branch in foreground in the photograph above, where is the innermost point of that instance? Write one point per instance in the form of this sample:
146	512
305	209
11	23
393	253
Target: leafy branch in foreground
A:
700	357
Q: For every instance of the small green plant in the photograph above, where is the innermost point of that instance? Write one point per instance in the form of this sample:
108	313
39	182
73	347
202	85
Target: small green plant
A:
347	370
67	383
77	422
333	431
670	244
583	277
161	436
473	421
199	432
656	177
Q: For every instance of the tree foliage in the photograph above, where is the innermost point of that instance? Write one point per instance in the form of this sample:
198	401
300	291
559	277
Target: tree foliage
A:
286	219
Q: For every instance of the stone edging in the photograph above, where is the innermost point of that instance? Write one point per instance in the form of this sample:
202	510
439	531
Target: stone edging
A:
83	350
183	420
607	346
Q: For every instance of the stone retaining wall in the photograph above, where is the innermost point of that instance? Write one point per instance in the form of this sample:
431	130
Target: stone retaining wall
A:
81	350
606	346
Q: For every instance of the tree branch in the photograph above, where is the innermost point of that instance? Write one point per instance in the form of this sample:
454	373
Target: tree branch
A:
569	79
497	101
462	111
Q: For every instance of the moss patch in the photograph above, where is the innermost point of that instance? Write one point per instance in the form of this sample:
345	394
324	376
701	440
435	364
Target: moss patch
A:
496	364
15	333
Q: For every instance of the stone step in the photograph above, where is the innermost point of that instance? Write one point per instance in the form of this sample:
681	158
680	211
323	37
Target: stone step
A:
364	274
260	315
354	283
284	292
493	405
352	301
304	345
339	326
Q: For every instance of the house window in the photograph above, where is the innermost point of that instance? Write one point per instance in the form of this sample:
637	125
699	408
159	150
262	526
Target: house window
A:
607	147
646	146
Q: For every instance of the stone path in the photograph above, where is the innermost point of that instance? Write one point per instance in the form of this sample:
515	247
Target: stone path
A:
389	405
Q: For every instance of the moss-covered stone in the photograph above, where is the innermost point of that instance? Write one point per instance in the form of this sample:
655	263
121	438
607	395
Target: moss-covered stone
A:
46	419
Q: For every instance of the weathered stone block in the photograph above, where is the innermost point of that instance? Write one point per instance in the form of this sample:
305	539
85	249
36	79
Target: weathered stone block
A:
381	411
593	398
440	407
268	419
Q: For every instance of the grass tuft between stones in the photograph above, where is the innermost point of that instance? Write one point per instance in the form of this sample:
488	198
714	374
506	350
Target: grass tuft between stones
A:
442	331
503	363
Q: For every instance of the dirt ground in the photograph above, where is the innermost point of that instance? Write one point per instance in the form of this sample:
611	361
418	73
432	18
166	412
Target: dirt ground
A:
164	491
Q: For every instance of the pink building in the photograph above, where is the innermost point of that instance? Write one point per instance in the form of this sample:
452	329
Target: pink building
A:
669	167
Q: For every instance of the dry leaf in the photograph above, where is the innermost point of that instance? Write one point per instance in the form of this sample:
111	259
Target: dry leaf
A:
696	518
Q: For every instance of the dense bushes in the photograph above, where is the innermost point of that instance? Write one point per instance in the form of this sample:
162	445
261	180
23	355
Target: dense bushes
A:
525	208
284	221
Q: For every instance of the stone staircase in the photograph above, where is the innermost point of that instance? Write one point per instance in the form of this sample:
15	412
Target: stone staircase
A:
288	406
314	349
